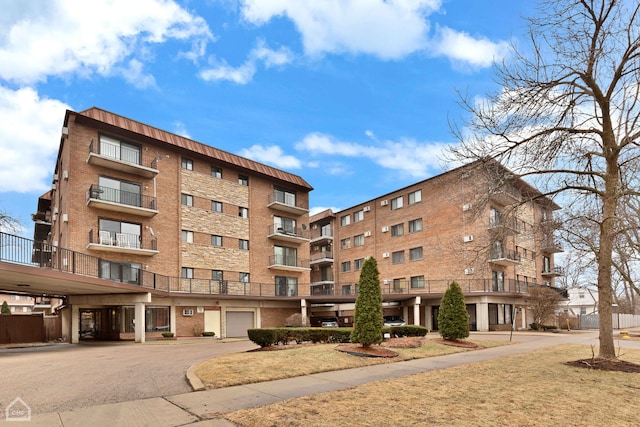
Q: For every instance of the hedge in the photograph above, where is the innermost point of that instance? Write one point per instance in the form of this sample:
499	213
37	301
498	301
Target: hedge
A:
405	331
265	337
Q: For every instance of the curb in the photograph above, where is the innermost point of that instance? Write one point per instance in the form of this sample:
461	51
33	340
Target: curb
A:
193	379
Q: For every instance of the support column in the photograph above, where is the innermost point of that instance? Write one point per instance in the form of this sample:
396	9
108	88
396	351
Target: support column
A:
482	316
523	317
140	322
75	324
416	311
172	320
304	311
428	317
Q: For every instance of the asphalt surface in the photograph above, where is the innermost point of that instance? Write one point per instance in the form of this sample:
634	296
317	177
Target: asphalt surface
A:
65	377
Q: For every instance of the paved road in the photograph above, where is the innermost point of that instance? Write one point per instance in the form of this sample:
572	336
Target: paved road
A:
72	376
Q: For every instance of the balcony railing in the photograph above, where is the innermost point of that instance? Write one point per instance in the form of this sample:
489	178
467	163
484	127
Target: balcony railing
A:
122	242
322	257
555	271
122	158
288	234
504	257
282	202
288	262
18	250
121	201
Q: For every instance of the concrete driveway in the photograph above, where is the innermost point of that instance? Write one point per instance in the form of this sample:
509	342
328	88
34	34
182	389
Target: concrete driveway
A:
72	376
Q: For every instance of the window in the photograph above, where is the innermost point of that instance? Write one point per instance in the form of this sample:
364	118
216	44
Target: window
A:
358	240
498	280
187	273
243	277
116	149
186	199
495	217
415	225
581	295
116	191
155	318
345	267
397	257
399	284
286	286
117	233
284	225
345	220
187	164
417	282
243	244
216	240
345	243
415	253
397	230
243	212
216	172
325	230
216	275
546	264
216	206
285	196
285	256
396	203
120	271
187	236
357	264
358	215
243	180
583	310
415	197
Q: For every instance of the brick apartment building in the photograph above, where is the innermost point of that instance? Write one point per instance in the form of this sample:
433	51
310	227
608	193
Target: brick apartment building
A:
477	224
145	232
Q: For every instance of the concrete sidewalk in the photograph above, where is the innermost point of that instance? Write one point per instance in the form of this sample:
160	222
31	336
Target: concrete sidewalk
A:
201	408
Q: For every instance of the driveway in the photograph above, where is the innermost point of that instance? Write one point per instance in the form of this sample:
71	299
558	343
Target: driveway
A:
72	376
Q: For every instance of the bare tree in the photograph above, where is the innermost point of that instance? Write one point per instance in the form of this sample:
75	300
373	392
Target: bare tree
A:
543	303
8	223
567	113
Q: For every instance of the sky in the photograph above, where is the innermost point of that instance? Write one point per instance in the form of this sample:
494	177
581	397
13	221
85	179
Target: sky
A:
355	96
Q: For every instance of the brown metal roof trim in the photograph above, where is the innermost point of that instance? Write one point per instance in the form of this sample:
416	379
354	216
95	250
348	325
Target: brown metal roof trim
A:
192	146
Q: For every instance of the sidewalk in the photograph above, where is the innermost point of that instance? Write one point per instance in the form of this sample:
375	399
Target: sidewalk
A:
200	408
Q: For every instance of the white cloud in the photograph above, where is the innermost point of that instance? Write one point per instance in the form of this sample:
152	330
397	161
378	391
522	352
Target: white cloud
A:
460	47
317	209
180	129
272	155
29	137
56	38
406	155
245	72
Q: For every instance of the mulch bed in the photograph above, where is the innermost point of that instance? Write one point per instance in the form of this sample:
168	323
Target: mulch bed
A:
465	344
602	364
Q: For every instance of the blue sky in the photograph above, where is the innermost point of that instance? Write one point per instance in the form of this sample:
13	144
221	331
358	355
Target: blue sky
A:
353	95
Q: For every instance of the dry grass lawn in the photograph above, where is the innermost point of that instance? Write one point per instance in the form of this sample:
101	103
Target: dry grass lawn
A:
533	389
252	367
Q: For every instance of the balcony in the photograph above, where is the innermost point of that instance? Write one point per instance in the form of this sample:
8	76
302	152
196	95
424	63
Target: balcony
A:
122	159
288	234
127	202
503	226
504	195
288	263
283	203
321	239
107	241
553	272
322	258
550	246
504	257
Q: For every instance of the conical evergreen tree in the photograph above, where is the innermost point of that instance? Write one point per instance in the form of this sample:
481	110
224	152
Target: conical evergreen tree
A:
453	319
367	327
5	308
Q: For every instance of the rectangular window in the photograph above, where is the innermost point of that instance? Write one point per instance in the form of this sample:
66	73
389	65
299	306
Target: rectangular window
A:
285	256
417	282
345	243
397	230
243	212
345	220
243	277
187	164
216	172
415	225
216	240
358	263
415	253
243	244
187	273
498	280
397	257
120	272
345	267
415	197
187	236
216	275
117	233
119	150
216	206
116	191
358	215
243	180
186	199
156	319
399	284
286	286
358	240
286	197
396	203
284	225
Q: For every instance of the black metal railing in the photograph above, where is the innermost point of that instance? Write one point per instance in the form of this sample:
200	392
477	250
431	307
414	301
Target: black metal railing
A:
122	153
288	230
128	198
122	240
19	250
285	199
508	254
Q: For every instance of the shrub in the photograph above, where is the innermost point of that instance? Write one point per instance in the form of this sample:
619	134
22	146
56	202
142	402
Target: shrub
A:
263	337
208	334
267	337
5	308
453	319
406	331
368	321
167	334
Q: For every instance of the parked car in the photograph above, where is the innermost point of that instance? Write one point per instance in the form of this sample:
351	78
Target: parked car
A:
329	322
394	321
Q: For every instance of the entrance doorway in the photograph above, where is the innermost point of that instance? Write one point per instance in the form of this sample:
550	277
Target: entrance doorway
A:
101	324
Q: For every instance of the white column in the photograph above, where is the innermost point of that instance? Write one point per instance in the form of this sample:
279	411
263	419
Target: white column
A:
140	322
172	320
482	316
303	311
75	323
416	311
523	317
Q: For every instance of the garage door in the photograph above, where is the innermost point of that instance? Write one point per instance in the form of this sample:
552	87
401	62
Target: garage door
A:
238	322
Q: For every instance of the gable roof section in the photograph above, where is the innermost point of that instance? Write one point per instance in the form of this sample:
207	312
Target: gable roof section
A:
172	139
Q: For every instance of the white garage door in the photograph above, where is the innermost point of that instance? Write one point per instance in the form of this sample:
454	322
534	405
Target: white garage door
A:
238	322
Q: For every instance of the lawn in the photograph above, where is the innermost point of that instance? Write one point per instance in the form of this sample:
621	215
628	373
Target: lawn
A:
532	389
